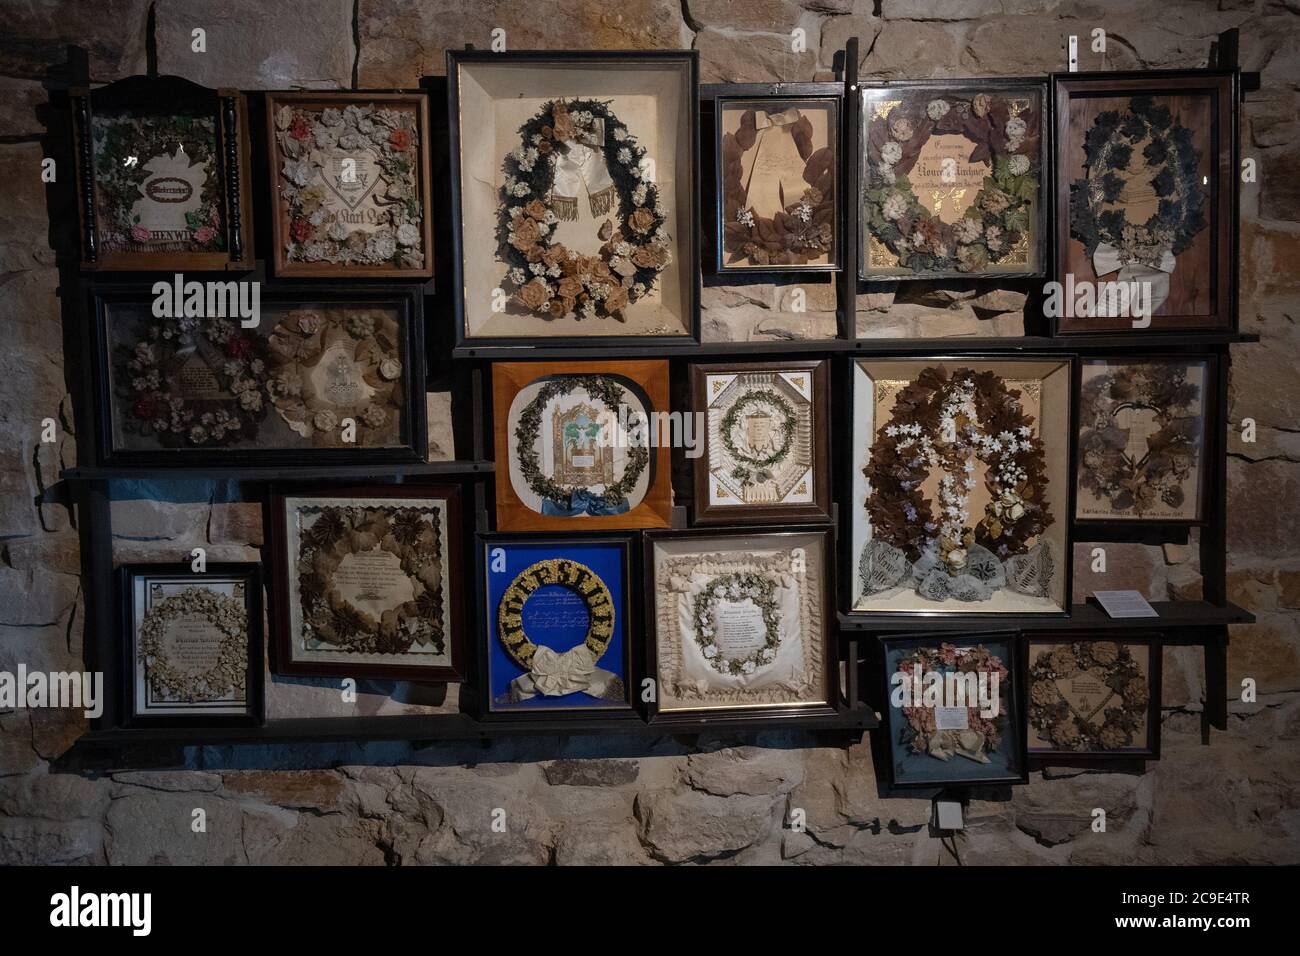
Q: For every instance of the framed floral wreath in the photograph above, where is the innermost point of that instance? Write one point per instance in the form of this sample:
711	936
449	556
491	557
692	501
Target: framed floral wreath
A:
145	383
1173	450
752	468
942	420
227	677
920	732
1004	130
1110	663
575	577
737	586
608	393
120	183
544	276
367	344
386	132
804	228
402	530
1110	147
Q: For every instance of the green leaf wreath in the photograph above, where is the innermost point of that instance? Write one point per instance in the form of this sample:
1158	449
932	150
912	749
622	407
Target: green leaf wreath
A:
542	275
737	586
1003	131
603	390
1113	665
1108	471
749	468
123	145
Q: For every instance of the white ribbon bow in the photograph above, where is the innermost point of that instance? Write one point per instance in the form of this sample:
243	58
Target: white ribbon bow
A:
554	675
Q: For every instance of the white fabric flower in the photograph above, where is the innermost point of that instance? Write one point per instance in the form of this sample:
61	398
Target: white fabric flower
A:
408	234
1016	128
891	153
895	206
1019	165
937	109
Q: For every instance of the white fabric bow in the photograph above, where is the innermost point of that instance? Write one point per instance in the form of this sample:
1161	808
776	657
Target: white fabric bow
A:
554	674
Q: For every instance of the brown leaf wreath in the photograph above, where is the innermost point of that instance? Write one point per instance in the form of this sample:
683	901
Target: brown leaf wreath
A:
1108	471
147	382
571	575
371	343
1055	720
939	420
800	232
414	535
1002	133
545	277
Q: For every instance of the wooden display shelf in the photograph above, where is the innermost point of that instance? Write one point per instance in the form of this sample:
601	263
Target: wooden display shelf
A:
1175	616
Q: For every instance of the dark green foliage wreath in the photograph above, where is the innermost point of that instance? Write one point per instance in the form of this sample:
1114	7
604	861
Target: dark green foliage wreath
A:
749	467
744	584
602	389
1109	150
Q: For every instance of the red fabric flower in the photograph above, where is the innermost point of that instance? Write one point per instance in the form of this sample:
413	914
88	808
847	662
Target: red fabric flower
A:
399	139
237	346
301	229
300	129
145	408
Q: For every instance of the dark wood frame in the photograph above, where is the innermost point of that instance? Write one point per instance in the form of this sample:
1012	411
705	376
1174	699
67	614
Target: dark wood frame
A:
1015	696
887	620
405	298
758	713
690	256
282	565
279	229
254	682
1155	644
1006	85
1223	88
819	508
818	95
632	616
156	96
653	511
1210	424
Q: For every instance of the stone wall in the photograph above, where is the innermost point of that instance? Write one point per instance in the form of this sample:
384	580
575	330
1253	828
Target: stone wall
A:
588	800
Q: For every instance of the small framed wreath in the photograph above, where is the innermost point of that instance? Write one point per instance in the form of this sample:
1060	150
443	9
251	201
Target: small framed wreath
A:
737	586
147	382
751	468
227	677
182	141
944	420
1110	664
607	392
412	534
800	230
1110	148
594	149
1157	479
575	577
921	721
1004	128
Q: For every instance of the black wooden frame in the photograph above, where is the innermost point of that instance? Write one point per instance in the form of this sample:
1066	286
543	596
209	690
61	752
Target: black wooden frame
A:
100	399
254	680
688	59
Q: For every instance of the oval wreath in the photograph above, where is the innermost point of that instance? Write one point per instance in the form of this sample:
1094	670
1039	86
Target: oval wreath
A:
1003	132
596	151
146	380
607	392
575	577
1108	471
1109	150
941	420
804	230
225	678
749	467
400	530
738	586
1055	720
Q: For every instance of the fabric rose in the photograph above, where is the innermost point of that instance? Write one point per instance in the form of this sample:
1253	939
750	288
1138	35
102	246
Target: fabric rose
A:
140	234
616	300
937	109
204	234
642	220
980	104
534	295
891	153
650	257
300	129
570	286
562	126
524	234
400	139
535	209
301	229
1016	128
895	206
